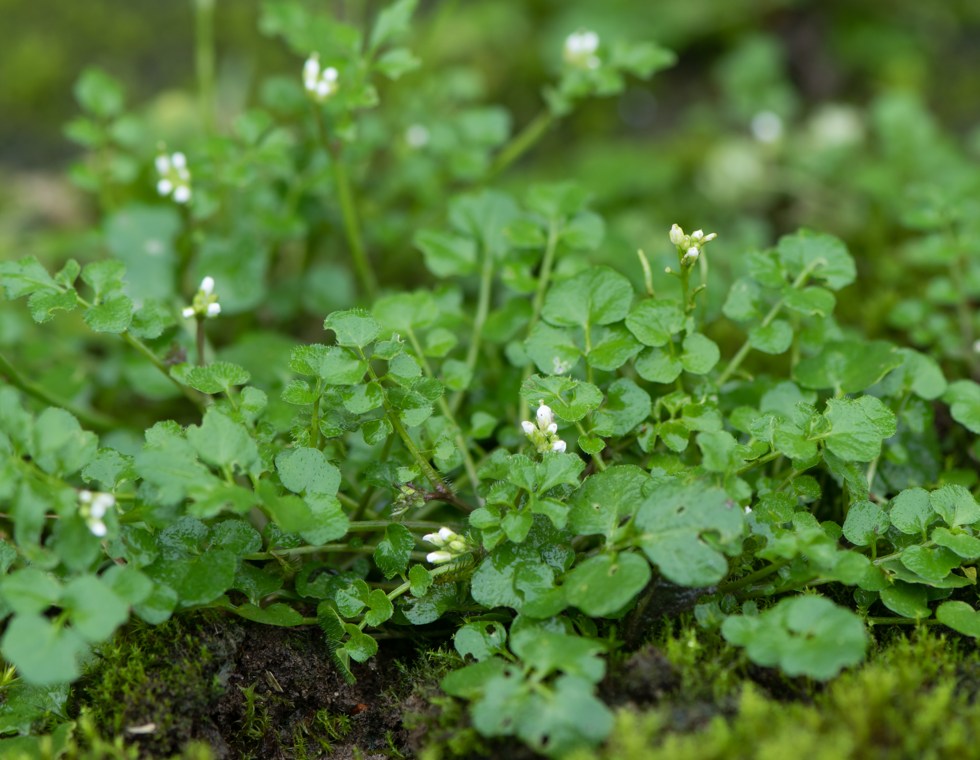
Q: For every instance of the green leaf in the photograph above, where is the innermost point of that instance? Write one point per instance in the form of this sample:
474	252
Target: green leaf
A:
653	322
105	277
43	304
595	296
43	653
480	640
961	617
552	349
931	564
570	399
627	405
359	646
59	446
111	316
774	338
30	591
446	254
24	277
143	238
865	523
420	579
658	366
606	498
394	550
700	354
484	216
965	545
306	470
963	398
955	504
379	609
94	609
392	21
674	521
611	348
857	427
907	600
850	366
216	378
803	635
605	584
98	93
550	652
354	327
222	442
824	256
810	301
911	511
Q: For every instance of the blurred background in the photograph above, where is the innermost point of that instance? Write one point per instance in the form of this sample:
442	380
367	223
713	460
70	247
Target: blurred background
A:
854	117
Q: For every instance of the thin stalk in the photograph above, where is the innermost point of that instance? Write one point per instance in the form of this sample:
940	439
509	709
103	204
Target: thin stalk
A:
348	209
899	621
647	274
753	577
468	464
201	340
90	419
479	320
370	490
521	143
204	60
544	279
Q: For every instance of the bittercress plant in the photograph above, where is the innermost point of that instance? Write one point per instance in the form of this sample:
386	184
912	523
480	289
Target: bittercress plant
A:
524	445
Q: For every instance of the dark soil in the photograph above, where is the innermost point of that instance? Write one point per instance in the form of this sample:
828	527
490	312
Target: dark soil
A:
247	690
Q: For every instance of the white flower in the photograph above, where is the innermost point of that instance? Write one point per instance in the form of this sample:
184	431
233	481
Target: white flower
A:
677	236
691	256
175	177
766	127
417	136
438	558
95	506
319	84
689	247
205	303
580	49
449	543
544	434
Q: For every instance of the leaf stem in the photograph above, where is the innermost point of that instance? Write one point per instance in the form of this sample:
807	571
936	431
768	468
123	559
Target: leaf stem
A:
521	143
544	279
91	419
479	320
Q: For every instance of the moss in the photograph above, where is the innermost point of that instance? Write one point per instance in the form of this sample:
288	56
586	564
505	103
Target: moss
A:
915	699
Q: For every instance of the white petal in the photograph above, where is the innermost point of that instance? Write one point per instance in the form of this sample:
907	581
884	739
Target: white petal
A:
438	558
207	285
165	187
85	496
432	538
188	312
330	74
558	446
527	427
553	428
179	160
182	194
545	416
446	534
98	528
214	309
162	163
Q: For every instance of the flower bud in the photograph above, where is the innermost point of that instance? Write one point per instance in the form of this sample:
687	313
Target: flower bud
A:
677	235
438	558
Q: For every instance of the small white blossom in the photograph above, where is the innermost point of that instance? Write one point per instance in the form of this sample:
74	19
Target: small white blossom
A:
93	507
205	302
417	136
544	434
689	247
439	557
449	543
580	49
319	83
766	127
175	177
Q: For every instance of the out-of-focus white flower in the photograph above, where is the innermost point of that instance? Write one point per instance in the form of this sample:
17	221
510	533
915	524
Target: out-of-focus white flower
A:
175	177
93	507
766	127
205	303
580	49
319	83
543	433
417	136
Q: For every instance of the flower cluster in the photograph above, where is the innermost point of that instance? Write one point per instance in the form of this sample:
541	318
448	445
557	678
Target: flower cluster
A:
689	246
543	433
319	83
205	302
449	543
580	49
175	177
93	508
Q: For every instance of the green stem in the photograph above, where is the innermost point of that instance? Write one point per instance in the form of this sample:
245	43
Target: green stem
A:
899	621
544	279
204	59
596	458
201	340
521	143
468	464
479	320
90	419
748	580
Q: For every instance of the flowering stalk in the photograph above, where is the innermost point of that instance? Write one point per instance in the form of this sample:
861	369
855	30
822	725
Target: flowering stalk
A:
204	306
93	507
175	177
688	252
449	545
